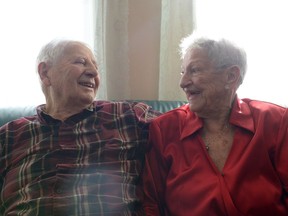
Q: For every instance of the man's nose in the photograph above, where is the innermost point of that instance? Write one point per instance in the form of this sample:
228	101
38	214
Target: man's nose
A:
92	73
92	70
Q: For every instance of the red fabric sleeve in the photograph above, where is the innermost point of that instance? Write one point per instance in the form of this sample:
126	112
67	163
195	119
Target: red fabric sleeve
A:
281	155
154	175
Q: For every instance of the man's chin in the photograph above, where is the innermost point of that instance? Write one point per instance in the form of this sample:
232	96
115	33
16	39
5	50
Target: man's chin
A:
87	101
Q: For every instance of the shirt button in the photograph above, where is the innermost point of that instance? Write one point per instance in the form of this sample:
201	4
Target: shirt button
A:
59	191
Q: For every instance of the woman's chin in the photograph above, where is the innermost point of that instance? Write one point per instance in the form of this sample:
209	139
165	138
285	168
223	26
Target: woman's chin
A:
195	107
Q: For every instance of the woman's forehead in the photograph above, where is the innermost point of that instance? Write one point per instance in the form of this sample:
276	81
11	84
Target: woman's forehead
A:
196	55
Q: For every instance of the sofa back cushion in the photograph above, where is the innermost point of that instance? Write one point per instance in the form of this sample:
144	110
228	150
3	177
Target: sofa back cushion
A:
11	113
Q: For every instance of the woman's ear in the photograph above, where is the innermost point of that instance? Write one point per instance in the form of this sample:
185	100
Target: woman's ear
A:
43	68
233	75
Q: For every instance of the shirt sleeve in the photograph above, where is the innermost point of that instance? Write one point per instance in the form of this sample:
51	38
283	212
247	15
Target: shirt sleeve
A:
154	174
144	113
281	154
2	167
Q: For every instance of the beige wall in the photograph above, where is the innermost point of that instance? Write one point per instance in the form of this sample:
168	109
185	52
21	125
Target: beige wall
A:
144	47
130	41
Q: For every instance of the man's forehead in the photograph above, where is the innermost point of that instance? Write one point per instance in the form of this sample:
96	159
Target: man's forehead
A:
79	50
77	46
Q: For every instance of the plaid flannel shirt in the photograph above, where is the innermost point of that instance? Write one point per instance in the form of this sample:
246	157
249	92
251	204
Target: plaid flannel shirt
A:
87	165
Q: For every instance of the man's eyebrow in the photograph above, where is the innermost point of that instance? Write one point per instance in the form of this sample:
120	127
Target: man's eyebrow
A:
86	59
95	63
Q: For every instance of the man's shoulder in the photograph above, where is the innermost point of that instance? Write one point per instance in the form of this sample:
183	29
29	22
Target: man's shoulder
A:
140	110
19	123
123	105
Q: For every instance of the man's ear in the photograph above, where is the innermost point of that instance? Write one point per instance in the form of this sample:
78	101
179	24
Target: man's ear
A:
43	68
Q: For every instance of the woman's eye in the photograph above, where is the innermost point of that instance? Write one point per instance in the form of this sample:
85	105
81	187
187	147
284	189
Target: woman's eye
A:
195	70
191	71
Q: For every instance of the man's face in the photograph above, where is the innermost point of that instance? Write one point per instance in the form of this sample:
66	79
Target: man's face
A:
74	77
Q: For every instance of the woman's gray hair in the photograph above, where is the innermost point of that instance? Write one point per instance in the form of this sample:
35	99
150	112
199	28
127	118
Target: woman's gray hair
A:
222	52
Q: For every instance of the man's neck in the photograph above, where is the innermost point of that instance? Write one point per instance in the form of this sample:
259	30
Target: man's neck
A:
63	112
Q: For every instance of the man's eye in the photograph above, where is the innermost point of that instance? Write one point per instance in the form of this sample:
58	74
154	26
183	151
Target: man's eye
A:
81	61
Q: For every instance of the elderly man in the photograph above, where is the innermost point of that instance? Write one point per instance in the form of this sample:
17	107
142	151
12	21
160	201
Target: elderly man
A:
77	156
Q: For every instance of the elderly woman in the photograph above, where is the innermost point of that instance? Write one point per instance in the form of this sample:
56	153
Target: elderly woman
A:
218	155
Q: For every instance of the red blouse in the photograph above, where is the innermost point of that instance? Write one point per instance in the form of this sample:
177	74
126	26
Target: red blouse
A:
180	178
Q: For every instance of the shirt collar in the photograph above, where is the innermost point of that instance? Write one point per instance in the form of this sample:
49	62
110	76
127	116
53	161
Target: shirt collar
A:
44	117
240	116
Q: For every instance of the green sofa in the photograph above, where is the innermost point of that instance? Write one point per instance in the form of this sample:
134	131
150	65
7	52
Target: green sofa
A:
10	113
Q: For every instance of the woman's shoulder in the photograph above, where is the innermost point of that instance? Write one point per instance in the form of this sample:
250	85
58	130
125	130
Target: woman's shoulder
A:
264	105
177	113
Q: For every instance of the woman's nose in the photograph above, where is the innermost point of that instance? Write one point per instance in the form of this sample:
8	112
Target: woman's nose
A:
184	81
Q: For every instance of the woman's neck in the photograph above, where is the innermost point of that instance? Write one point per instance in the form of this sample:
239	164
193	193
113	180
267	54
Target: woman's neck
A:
218	121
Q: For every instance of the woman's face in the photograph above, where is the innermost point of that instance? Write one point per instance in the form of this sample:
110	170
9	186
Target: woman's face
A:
203	84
